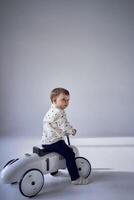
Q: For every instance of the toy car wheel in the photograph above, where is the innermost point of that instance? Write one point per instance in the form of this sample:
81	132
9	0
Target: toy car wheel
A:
31	183
54	173
84	167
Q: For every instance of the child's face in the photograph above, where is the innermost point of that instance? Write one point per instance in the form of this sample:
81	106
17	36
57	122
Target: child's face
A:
62	101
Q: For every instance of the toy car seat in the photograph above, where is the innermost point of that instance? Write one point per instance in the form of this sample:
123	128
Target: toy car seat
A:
39	151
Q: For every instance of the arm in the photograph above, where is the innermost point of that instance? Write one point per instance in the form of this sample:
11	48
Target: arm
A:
57	130
66	126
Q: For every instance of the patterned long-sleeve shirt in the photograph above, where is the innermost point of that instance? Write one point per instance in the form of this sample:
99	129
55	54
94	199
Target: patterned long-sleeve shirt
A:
55	125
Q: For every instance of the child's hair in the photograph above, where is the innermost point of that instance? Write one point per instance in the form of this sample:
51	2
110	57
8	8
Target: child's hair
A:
56	91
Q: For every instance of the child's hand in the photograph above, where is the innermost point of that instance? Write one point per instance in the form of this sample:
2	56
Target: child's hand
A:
74	131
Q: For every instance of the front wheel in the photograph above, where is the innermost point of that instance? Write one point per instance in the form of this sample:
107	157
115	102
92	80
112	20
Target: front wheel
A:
31	183
83	166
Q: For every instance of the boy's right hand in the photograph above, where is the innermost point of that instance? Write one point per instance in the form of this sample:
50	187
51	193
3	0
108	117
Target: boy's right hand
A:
74	131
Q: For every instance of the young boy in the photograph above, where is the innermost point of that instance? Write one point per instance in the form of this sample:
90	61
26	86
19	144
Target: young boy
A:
55	124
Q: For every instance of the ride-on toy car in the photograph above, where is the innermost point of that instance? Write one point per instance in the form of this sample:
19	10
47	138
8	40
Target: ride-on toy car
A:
29	170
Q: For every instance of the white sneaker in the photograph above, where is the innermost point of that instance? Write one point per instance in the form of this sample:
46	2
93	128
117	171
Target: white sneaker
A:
80	181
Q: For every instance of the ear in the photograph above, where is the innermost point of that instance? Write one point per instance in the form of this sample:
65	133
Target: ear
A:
54	100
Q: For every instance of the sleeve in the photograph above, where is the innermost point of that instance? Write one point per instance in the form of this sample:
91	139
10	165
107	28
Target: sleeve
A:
66	126
52	115
58	131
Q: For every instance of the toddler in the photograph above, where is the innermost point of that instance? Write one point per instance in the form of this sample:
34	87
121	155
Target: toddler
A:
55	125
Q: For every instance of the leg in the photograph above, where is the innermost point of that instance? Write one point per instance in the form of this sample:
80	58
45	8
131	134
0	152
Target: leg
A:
62	148
71	164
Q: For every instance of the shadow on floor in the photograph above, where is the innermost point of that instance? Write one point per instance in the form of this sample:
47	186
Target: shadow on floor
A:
117	182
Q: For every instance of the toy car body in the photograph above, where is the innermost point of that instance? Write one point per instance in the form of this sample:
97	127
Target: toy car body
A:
46	162
29	170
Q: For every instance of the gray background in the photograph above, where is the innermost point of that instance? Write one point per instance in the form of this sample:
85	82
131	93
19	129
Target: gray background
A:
86	46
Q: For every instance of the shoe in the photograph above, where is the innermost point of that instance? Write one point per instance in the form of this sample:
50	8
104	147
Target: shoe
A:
80	181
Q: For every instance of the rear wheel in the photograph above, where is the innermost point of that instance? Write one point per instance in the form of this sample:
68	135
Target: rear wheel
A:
31	183
83	166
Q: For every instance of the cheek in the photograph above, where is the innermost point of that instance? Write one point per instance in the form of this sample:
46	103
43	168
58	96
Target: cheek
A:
59	102
62	103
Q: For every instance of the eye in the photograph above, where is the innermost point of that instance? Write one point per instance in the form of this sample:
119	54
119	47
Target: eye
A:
65	99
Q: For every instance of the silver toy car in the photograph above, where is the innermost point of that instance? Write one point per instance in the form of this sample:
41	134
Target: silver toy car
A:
29	170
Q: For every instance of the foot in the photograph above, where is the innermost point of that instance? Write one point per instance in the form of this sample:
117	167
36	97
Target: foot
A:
80	181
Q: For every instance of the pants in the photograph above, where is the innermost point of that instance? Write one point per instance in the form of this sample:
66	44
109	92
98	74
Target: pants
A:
62	148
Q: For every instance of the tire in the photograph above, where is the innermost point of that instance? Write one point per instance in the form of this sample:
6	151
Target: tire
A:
31	183
83	166
54	173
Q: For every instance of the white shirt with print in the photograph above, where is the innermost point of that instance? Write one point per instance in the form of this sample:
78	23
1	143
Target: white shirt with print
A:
55	125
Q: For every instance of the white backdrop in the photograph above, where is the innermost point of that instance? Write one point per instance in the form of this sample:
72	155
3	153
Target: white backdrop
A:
84	46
